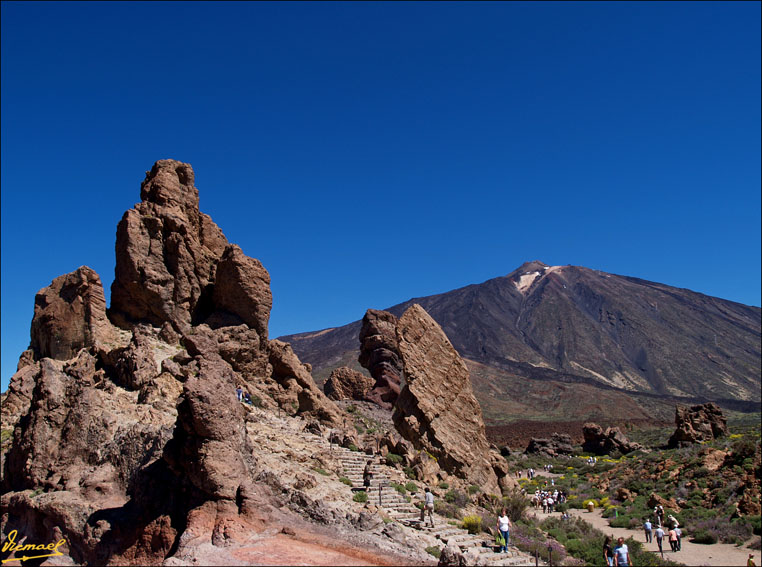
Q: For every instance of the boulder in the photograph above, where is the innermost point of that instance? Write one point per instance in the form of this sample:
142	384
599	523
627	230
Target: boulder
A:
600	442
70	314
347	384
379	354
288	371
558	444
697	424
436	410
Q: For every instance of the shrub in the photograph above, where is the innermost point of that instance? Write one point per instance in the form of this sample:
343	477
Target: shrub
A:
411	487
345	480
353	447
434	550
409	472
447	509
351	408
398	487
704	536
473	489
393	459
456	497
473	524
515	504
360	497
321	471
444	485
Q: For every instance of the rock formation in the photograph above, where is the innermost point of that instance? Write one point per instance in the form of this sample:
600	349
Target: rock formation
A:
347	384
600	442
436	409
379	354
129	441
70	314
558	444
698	423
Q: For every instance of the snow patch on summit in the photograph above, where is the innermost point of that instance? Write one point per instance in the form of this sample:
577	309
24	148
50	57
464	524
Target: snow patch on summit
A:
527	279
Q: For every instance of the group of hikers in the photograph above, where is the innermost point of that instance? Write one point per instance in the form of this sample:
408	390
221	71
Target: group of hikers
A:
547	500
674	534
243	396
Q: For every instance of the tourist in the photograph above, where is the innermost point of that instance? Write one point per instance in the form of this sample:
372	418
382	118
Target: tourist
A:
428	506
247	399
659	533
672	539
239	393
647	528
504	526
608	554
367	474
679	535
750	561
621	554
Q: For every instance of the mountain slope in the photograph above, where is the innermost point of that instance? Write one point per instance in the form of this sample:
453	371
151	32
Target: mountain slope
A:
571	324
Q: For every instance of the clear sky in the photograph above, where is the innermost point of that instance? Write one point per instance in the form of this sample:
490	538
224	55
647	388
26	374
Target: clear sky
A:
368	153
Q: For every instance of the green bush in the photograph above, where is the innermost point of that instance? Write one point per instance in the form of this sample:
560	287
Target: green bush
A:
444	485
515	504
360	497
345	480
434	550
447	509
398	487
393	459
322	471
473	524
353	447
456	497
473	489
411	487
409	472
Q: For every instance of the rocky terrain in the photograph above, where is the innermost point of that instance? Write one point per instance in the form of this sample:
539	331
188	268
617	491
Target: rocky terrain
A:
572	343
170	429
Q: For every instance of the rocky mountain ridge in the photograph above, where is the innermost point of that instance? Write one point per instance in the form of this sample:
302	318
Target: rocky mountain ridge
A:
642	344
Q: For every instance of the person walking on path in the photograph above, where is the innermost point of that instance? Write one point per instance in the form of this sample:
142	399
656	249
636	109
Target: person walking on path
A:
367	474
621	554
659	533
428	506
672	539
608	553
504	527
679	535
647	528
750	561
239	393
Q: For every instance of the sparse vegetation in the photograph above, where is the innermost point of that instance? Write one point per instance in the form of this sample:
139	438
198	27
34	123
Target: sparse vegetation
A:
434	550
393	459
473	524
346	481
360	497
321	471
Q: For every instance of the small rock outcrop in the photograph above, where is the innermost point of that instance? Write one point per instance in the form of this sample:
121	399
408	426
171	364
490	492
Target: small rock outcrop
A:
70	314
347	384
379	354
436	409
558	444
698	423
600	442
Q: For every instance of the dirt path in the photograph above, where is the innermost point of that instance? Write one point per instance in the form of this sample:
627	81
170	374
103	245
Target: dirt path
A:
719	554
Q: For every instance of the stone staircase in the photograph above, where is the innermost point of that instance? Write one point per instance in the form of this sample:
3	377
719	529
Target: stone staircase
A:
399	509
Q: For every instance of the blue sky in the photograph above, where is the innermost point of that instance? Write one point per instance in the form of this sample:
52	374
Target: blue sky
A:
368	153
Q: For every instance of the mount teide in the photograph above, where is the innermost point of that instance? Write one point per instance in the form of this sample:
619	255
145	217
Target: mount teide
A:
567	342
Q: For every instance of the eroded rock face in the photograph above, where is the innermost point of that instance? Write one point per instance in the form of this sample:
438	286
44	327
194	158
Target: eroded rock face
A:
347	384
602	442
70	314
698	423
379	354
166	253
436	409
130	442
558	444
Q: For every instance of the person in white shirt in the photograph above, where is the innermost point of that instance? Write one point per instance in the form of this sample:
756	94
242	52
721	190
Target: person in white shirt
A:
428	506
504	527
621	554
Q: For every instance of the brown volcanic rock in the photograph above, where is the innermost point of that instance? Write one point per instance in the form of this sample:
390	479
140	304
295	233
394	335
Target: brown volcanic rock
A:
136	365
436	409
166	252
379	354
70	314
602	442
210	447
558	444
242	288
698	423
347	384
